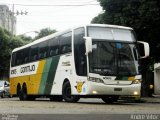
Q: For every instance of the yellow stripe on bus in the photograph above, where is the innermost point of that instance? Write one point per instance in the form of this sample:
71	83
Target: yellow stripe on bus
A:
32	81
35	80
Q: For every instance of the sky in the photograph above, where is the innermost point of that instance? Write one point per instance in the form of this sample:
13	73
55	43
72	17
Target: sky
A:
53	14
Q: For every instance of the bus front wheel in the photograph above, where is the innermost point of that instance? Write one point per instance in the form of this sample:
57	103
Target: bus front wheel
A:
66	93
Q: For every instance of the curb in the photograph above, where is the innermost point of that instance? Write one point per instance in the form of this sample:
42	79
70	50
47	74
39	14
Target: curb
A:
151	100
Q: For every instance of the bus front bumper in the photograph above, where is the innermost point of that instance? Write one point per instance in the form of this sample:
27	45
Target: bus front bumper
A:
120	90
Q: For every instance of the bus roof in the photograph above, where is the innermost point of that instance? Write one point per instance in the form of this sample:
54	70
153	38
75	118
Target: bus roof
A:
61	32
110	26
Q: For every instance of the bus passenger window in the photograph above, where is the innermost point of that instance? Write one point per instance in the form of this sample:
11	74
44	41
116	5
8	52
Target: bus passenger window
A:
53	47
25	55
19	58
65	43
33	53
13	59
26	59
43	49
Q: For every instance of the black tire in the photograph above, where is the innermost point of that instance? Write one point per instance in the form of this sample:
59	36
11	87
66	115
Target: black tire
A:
3	94
110	99
10	96
23	94
57	98
18	91
66	93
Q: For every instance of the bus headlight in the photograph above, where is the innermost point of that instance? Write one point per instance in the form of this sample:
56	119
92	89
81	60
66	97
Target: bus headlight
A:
136	81
135	93
98	80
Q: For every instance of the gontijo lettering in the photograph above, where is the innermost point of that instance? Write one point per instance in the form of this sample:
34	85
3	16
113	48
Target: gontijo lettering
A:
27	69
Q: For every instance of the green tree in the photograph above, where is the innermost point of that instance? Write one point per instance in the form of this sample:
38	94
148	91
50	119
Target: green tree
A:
26	39
44	32
7	44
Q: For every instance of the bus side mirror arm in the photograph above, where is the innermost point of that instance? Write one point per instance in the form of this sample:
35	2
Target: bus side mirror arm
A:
144	49
88	45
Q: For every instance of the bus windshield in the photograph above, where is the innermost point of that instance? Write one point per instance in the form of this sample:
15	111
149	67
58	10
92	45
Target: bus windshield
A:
113	57
108	58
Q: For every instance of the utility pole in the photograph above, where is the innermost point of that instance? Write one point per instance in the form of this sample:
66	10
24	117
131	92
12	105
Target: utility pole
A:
13	17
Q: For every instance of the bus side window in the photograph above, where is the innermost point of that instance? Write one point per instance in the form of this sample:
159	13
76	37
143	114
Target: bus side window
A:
13	59
25	55
19	58
53	47
65	42
43	50
33	53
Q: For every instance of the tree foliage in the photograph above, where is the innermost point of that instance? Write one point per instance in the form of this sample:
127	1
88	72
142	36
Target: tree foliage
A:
142	15
26	39
44	32
7	44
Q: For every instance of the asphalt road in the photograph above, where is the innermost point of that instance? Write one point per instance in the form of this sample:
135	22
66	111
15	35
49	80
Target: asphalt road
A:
90	109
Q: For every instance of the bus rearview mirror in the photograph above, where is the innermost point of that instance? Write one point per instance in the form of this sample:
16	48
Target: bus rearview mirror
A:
143	49
88	44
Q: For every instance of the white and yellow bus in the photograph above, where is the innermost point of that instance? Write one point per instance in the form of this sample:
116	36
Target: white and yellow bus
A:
88	61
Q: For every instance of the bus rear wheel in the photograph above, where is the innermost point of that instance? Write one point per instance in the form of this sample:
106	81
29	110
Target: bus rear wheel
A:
66	93
23	93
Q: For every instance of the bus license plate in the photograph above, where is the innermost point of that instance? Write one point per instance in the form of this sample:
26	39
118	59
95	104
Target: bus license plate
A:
117	89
